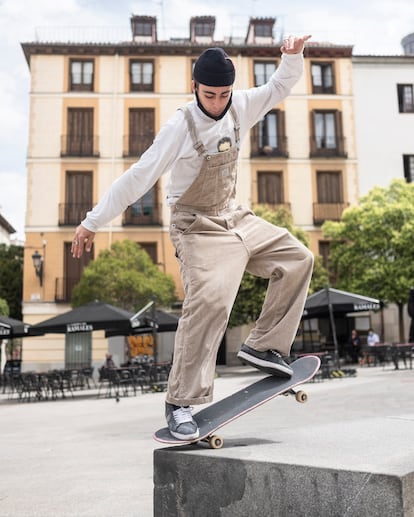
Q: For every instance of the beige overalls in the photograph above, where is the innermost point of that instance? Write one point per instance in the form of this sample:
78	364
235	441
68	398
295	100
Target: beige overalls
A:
215	242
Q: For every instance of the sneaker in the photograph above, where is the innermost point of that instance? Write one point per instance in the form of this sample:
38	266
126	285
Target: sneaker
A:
180	422
270	361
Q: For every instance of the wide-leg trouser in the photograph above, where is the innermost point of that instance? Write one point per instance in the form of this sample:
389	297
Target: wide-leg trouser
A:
214	252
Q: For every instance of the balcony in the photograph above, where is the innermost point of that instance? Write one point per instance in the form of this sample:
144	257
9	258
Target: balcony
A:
136	145
149	215
63	289
79	146
327	212
322	148
71	214
267	151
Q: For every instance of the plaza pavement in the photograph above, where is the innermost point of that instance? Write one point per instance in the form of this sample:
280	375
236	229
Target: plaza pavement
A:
93	457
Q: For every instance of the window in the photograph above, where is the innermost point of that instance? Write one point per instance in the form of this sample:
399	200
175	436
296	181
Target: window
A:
263	70
268	135
79	140
322	78
263	30
329	187
141	76
325	132
145	211
324	253
151	249
327	139
324	250
73	270
81	75
141	131
78	197
202	29
329	205
408	160
405	98
142	27
270	188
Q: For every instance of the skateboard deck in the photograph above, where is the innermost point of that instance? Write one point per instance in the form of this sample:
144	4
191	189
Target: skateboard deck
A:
220	413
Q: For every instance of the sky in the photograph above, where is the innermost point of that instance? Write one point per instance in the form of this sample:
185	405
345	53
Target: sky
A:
370	26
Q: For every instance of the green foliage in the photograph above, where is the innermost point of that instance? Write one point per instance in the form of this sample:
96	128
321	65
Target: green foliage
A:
4	307
252	290
126	277
11	278
372	246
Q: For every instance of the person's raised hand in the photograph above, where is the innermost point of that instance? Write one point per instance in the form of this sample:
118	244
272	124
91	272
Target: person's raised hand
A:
82	240
294	44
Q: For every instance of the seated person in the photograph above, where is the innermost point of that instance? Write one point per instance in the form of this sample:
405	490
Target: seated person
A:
109	362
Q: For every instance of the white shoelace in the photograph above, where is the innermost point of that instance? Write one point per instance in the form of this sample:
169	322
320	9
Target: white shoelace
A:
182	415
276	353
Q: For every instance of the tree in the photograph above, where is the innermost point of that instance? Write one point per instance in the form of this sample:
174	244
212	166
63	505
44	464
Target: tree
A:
11	278
4	307
126	277
252	290
372	246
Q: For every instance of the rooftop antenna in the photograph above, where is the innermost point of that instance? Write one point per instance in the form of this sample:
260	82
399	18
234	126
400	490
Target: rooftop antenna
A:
161	4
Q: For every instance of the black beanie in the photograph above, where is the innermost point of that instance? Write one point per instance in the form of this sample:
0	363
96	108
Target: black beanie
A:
214	68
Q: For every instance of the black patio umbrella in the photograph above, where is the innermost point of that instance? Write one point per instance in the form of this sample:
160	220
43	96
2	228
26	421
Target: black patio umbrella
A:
11	328
148	320
329	302
161	321
87	318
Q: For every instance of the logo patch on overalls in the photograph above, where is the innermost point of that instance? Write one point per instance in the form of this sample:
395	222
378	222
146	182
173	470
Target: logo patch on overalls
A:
224	144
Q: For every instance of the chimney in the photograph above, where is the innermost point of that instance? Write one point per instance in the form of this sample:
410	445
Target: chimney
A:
144	28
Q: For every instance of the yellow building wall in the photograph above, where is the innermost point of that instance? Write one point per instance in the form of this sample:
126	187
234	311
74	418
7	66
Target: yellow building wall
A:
111	99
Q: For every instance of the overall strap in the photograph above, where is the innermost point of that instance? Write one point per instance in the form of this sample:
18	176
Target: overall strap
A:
197	144
236	126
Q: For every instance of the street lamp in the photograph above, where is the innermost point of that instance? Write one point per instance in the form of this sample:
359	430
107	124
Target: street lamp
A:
38	265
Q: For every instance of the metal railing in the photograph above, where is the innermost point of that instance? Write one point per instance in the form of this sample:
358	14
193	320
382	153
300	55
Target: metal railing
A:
79	145
63	289
320	148
258	149
327	212
71	214
142	215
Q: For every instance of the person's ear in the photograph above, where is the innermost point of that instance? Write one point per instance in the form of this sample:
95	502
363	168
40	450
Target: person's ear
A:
193	86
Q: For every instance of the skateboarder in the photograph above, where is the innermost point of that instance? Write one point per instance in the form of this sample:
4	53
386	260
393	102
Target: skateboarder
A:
215	239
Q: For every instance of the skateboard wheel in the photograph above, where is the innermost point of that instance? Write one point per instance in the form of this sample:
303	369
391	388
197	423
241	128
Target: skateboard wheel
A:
215	442
301	396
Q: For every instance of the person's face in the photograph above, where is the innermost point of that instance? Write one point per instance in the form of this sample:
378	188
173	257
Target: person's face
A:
214	99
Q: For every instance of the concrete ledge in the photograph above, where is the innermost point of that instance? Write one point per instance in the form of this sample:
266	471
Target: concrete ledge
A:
195	483
348	452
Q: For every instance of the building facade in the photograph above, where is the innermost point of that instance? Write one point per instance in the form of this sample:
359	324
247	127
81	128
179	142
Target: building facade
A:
384	120
6	230
96	107
384	111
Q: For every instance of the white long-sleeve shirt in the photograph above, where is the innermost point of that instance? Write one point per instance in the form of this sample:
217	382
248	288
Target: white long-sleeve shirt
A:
172	150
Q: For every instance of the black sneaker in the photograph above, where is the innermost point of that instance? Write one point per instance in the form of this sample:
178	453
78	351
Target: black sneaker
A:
180	422
270	361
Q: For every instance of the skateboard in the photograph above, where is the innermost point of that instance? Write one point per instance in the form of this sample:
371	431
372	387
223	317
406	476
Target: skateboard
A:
220	413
